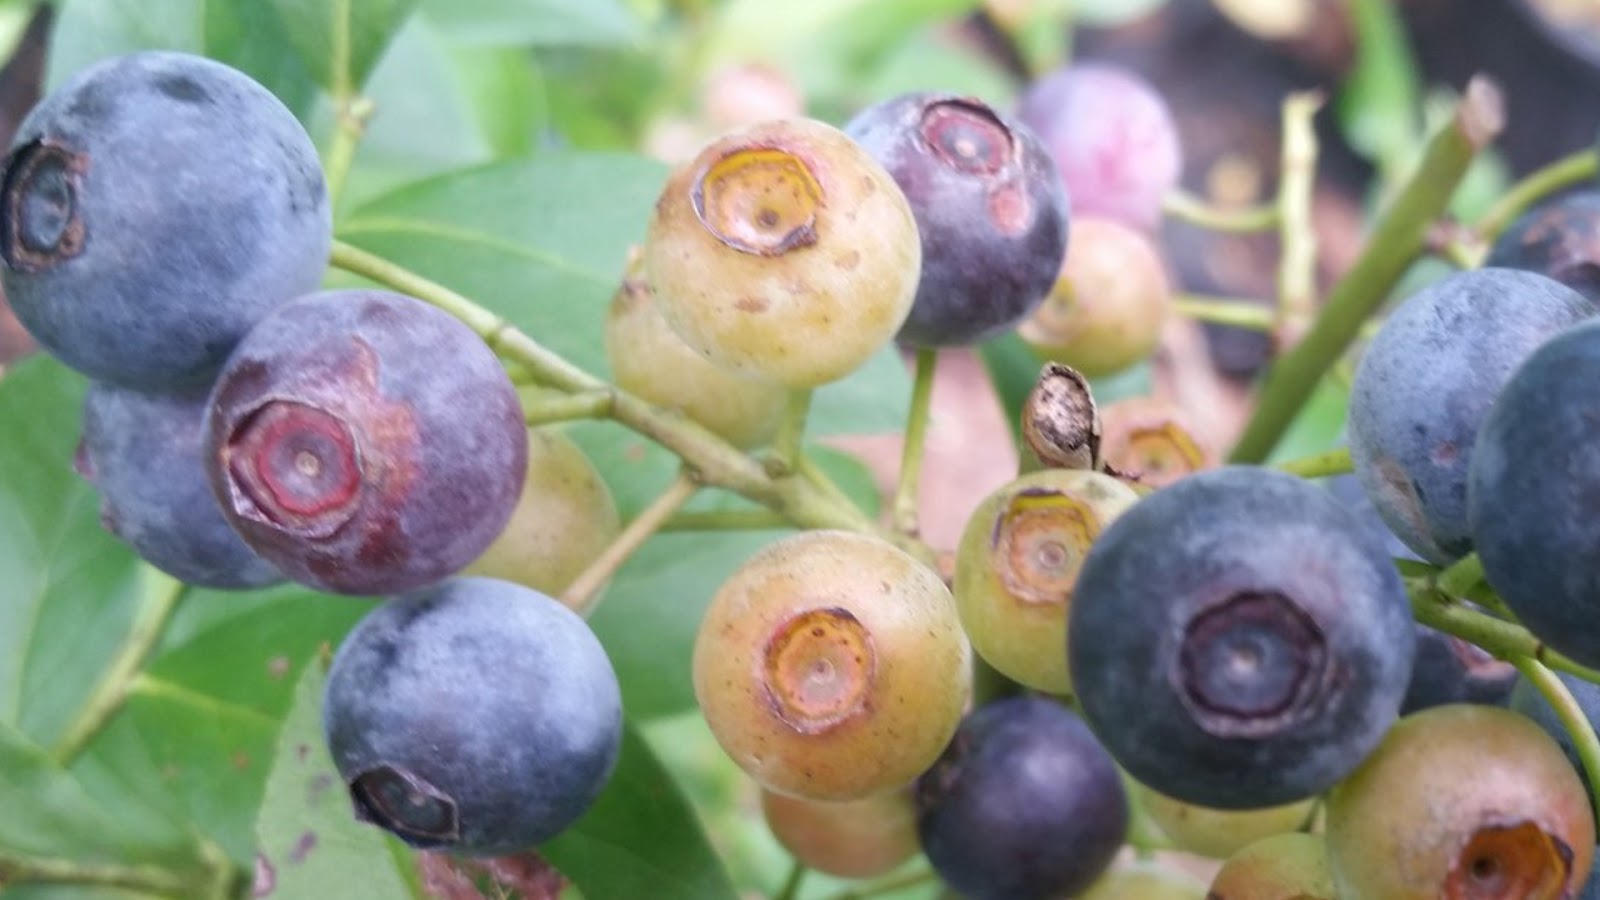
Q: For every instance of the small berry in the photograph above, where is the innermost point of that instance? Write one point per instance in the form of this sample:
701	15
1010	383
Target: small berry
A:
346	454
477	717
989	206
784	252
850	839
831	665
1023	805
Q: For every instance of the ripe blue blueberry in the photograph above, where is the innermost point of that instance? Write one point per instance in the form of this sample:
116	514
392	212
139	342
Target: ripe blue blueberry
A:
478	717
365	442
1427	381
1559	238
1535	487
989	206
142	452
1237	623
151	210
1024	804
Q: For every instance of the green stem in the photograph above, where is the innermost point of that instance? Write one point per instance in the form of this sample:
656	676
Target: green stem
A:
1571	715
726	520
1297	259
791	884
548	408
905	494
1319	465
1564	172
162	594
1461	577
787	445
350	125
1500	638
713	461
19	870
886	885
1186	207
644	525
1395	242
1224	311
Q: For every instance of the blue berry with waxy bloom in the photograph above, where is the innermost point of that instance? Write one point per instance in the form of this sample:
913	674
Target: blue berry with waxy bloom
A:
142	453
1237	622
1425	386
1534	490
477	717
365	442
152	209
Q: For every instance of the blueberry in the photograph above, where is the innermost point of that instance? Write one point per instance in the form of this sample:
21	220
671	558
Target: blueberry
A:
1113	138
1236	623
142	452
478	717
1451	670
1024	803
1535	485
989	206
365	442
151	210
1526	699
1425	385
1559	238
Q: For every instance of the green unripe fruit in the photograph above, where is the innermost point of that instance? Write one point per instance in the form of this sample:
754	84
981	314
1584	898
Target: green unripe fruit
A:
1290	866
1107	308
649	359
1017	564
564	517
850	839
783	251
1220	833
831	665
1464	802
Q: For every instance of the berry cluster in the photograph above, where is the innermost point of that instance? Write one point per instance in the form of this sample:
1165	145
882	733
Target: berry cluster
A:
166	228
1218	653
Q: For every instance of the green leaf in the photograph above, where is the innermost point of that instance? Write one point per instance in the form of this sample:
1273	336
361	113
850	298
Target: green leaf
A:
87	31
1317	426
250	36
1379	103
340	41
208	707
540	241
526	23
49	814
640	839
70	587
507	93
312	847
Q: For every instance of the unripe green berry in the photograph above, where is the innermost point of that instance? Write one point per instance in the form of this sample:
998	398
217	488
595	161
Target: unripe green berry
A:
831	665
783	251
1017	564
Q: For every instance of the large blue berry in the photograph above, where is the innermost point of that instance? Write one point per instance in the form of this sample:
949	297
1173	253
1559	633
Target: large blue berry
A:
478	717
1427	382
1024	804
1238	640
1535	487
365	442
142	452
151	210
989	206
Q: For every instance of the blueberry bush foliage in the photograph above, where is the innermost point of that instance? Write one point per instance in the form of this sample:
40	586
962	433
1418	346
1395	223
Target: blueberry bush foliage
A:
500	159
